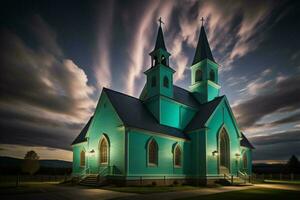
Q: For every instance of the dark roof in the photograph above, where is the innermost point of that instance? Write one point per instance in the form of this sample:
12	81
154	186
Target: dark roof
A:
203	114
81	137
134	114
160	42
185	97
245	142
203	50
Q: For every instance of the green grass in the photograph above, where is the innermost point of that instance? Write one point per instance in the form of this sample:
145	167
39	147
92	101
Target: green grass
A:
283	182
252	194
149	189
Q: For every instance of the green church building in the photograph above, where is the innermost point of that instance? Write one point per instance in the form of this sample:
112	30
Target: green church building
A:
168	135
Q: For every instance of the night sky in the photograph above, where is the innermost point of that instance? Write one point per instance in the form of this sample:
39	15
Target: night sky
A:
57	55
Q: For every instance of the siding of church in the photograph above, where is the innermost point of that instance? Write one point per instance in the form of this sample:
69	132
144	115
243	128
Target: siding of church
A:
137	156
77	169
215	124
107	122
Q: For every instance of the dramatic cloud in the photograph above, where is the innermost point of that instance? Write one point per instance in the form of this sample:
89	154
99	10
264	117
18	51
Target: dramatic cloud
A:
282	98
277	146
44	96
102	61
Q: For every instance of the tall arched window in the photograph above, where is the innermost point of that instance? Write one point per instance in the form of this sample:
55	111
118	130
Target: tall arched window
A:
224	149
198	76
82	158
177	156
152	153
153	81
212	75
104	151
166	82
245	161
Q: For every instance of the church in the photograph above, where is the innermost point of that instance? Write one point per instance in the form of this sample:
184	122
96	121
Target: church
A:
169	135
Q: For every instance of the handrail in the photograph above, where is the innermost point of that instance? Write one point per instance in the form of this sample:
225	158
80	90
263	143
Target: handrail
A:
243	176
83	174
228	178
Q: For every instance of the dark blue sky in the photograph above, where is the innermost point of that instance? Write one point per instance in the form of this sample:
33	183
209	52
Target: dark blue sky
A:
57	55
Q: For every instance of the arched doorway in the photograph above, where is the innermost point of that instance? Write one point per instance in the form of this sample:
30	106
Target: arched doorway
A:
224	150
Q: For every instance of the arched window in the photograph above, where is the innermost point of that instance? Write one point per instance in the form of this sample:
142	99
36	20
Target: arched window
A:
82	158
164	60
245	161
104	151
224	149
153	81
166	82
198	76
152	153
212	75
177	156
155	60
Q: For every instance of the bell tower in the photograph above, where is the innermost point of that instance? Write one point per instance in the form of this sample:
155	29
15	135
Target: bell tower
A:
204	71
160	75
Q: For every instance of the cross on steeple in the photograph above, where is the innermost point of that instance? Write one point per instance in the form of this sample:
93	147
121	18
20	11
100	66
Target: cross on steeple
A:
202	20
160	21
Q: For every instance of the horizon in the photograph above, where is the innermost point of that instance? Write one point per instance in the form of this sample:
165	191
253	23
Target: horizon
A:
55	64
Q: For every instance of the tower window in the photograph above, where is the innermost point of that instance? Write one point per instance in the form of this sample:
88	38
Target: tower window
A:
212	75
155	60
153	81
166	82
164	60
198	75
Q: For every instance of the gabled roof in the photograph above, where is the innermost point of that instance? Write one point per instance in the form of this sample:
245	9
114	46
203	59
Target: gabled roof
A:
203	49
185	97
160	42
245	142
204	112
134	114
81	137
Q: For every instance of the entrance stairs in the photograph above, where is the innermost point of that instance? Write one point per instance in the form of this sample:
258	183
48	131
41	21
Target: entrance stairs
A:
92	180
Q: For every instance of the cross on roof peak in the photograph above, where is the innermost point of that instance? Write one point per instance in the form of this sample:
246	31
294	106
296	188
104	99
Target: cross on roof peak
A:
202	21
160	21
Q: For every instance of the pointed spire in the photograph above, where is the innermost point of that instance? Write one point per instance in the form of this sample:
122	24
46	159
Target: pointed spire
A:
160	42
203	50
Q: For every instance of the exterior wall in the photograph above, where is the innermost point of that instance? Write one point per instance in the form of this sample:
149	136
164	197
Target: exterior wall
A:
137	156
106	122
222	118
77	169
174	114
198	157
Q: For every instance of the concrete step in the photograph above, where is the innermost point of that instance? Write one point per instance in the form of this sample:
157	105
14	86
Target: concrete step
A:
92	180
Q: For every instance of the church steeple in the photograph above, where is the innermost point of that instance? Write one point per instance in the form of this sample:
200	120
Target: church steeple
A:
159	76
160	42
204	71
203	49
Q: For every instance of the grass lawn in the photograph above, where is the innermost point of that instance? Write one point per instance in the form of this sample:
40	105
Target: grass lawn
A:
149	189
283	182
252	194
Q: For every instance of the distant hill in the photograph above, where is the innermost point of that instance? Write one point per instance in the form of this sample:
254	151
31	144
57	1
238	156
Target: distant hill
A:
16	162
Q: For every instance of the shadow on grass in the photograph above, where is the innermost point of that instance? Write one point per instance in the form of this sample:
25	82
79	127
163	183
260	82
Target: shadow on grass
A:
252	194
